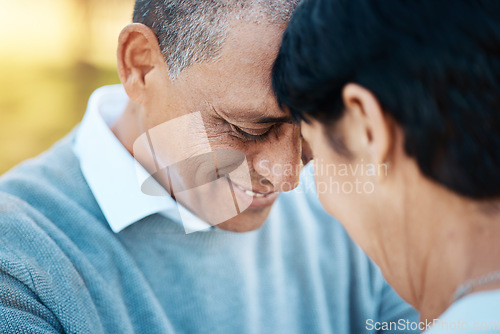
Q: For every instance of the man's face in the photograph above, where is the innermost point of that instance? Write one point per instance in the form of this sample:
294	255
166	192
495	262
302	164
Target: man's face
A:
227	106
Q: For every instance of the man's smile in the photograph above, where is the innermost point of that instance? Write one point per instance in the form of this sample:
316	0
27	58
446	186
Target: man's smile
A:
260	199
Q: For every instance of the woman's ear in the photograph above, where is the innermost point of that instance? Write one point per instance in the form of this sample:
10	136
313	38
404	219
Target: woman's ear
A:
367	127
138	54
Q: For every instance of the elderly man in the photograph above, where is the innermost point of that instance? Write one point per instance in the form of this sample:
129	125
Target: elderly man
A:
128	224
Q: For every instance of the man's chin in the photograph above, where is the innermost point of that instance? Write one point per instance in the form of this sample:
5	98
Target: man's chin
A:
249	220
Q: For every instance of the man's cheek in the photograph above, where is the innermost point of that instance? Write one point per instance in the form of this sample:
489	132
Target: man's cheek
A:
176	140
199	174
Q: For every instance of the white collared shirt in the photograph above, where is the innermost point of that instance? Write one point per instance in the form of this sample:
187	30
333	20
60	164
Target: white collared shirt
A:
112	173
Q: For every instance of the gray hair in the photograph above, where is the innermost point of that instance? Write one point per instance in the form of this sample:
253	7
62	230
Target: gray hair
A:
192	32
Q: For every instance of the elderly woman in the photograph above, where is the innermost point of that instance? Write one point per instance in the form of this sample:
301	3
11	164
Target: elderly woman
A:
400	103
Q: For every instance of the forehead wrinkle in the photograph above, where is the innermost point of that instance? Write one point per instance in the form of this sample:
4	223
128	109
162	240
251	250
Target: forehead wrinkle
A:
255	118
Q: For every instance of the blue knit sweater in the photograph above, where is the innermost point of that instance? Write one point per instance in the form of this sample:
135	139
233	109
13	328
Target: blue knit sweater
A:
62	269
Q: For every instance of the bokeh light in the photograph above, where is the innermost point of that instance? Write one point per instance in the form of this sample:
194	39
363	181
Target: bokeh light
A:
53	54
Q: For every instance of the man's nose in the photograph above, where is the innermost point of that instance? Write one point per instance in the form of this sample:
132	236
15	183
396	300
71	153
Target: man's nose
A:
279	159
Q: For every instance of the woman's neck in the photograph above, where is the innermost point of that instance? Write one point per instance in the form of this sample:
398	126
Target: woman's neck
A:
464	246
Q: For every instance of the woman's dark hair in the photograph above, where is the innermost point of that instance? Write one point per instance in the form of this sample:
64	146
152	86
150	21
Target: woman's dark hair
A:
434	66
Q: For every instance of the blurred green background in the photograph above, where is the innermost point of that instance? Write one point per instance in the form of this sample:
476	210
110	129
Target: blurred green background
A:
53	55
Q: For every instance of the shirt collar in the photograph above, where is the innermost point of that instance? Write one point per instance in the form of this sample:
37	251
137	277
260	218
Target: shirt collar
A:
113	175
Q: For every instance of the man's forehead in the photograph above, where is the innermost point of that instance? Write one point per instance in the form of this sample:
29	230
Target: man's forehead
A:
251	45
238	84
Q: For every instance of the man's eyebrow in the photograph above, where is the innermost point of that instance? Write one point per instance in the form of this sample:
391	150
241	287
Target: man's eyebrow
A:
282	119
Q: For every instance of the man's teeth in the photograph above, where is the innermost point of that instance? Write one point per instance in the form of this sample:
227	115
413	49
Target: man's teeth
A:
251	193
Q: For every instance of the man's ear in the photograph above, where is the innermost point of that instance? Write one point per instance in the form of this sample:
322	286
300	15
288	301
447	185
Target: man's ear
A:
372	127
138	54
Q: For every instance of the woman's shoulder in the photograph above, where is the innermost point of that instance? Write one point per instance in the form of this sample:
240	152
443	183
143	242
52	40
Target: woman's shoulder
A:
475	313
